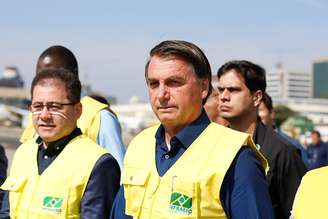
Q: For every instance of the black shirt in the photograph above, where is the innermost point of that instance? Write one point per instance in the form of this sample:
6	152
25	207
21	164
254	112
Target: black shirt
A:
286	168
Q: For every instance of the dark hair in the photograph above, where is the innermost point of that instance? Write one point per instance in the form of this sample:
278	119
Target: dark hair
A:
253	74
267	100
62	55
186	51
316	132
71	81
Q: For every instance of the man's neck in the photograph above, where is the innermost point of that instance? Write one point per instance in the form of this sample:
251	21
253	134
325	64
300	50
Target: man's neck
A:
246	124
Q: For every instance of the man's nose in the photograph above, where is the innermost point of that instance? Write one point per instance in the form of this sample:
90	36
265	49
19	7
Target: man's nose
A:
45	113
163	93
224	95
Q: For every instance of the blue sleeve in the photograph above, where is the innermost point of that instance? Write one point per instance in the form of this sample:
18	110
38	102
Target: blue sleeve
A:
118	210
244	191
102	187
110	136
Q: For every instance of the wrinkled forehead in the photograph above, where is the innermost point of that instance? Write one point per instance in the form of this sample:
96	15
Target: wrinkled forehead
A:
172	64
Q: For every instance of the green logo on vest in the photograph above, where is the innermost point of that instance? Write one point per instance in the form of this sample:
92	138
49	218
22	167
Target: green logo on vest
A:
181	203
52	204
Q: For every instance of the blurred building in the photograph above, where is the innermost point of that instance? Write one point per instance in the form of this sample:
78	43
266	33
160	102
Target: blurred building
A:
285	85
11	78
320	78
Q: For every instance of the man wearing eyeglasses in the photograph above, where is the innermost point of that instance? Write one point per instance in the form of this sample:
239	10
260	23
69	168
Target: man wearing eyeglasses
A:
63	173
97	121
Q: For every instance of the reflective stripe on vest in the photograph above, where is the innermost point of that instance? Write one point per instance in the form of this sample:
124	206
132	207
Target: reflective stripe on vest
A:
57	192
191	187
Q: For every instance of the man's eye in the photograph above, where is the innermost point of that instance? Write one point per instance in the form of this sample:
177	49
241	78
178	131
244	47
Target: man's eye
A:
220	90
37	107
54	107
153	84
174	83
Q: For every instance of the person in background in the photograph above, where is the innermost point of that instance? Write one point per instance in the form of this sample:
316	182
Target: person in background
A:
267	116
62	173
103	100
189	167
241	88
96	121
212	108
317	151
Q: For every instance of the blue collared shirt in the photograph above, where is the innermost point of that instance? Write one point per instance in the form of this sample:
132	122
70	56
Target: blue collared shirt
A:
110	136
244	192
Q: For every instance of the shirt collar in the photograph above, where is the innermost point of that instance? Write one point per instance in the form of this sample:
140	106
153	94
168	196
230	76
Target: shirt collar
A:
57	146
189	133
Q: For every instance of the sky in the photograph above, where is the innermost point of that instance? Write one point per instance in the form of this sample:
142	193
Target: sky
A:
112	39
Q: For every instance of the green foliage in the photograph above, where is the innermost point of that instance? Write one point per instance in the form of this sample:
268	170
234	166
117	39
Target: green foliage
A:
282	113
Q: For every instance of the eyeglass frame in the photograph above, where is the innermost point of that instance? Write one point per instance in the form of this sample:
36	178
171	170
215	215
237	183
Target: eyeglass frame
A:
48	105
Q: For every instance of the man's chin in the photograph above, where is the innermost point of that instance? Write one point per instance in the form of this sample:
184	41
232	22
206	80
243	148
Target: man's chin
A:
48	136
227	116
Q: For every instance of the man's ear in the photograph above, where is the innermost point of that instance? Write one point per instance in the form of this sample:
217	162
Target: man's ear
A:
78	110
257	98
205	88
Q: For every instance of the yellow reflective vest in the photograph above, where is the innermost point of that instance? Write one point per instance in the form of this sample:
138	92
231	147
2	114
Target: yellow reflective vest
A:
57	192
88	122
191	187
311	200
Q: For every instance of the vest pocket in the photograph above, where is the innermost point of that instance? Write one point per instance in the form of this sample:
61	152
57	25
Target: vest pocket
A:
134	180
14	184
15	187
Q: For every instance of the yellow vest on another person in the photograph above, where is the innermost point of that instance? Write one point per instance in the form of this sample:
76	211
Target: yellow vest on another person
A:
191	187
57	192
89	122
311	200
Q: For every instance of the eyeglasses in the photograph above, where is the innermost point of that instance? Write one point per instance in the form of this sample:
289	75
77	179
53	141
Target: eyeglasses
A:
50	106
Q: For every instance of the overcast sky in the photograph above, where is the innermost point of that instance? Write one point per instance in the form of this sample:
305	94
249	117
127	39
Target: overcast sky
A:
111	39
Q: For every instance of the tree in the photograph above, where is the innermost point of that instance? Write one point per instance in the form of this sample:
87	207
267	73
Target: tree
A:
282	113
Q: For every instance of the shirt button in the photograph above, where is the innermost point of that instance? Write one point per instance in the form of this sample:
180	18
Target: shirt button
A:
57	148
167	156
45	157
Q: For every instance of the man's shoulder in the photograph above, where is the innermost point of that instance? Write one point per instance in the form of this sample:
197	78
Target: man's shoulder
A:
225	131
315	174
27	145
91	105
145	135
84	143
274	141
